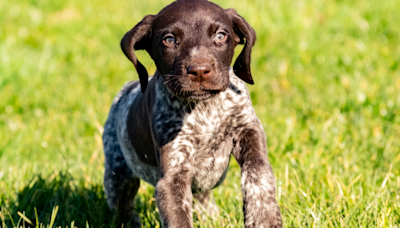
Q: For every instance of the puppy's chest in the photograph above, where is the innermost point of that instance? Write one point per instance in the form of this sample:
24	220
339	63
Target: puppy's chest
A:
203	141
201	134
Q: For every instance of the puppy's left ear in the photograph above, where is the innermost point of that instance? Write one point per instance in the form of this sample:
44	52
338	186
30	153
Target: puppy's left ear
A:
136	39
246	35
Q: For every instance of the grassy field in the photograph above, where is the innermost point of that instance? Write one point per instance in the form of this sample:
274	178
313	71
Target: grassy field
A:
327	89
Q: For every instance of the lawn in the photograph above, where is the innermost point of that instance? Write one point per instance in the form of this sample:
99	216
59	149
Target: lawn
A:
327	90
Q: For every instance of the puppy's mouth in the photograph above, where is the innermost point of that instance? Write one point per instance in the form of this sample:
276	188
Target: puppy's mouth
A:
200	95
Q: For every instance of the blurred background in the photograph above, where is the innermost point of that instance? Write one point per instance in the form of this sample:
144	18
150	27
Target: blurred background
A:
327	90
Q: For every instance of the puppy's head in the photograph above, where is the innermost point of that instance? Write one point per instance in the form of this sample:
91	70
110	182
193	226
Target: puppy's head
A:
192	44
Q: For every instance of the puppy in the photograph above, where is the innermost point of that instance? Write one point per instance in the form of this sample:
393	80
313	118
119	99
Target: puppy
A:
178	129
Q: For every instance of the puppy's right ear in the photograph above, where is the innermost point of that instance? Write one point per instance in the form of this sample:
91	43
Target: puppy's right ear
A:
136	39
244	33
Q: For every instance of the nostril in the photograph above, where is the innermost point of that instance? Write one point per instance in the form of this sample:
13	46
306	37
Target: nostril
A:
192	69
205	69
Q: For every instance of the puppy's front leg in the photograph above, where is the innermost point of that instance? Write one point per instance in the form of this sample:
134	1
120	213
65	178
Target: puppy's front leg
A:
173	191
258	184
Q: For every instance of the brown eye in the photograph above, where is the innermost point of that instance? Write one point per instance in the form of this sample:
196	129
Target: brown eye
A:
169	41
220	37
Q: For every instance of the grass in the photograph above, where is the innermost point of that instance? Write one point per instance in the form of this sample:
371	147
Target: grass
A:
327	82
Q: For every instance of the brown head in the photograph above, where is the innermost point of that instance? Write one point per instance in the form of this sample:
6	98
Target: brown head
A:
192	43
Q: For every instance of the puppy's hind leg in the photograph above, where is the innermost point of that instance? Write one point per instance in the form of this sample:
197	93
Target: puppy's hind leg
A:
120	186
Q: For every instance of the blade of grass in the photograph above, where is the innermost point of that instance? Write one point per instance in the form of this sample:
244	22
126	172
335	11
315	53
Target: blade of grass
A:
19	222
3	220
24	218
36	217
53	216
387	176
12	220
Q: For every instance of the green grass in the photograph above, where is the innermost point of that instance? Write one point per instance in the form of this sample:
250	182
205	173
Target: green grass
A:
327	89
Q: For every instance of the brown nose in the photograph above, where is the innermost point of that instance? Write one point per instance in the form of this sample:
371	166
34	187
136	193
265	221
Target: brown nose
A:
199	72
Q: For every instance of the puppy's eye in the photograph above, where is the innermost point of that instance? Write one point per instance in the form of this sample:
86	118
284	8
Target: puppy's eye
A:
169	41
220	37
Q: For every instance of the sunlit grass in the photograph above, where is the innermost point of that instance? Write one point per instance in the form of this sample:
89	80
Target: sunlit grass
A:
327	85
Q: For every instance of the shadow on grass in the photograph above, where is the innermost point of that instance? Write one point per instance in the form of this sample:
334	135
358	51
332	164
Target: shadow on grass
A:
76	200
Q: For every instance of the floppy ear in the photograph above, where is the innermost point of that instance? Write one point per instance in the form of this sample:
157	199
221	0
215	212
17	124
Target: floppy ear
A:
136	39
246	35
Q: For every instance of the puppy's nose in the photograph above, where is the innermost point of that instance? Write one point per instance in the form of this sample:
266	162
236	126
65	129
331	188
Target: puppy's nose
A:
199	72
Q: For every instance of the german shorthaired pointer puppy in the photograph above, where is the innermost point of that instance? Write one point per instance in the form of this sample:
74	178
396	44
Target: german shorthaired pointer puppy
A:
177	129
